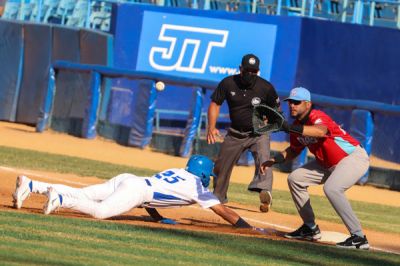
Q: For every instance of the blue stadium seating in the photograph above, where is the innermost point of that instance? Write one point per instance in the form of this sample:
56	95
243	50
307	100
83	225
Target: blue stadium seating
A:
11	9
75	12
49	8
64	11
100	16
79	13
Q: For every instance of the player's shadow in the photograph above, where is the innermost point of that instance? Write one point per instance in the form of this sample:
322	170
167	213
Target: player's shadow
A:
22	130
131	218
203	222
241	208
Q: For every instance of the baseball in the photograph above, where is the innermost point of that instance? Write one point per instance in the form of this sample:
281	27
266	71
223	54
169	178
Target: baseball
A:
160	86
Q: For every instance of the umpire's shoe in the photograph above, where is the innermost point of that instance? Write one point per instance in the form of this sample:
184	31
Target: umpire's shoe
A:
266	200
23	189
305	232
354	241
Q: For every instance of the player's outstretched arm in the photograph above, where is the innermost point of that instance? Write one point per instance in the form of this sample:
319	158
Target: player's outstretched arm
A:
158	218
234	218
230	216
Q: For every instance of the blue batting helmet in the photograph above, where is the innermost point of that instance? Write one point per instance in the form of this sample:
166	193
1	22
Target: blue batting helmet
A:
202	167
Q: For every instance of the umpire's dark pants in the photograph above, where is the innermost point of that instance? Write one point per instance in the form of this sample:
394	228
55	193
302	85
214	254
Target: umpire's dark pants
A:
233	146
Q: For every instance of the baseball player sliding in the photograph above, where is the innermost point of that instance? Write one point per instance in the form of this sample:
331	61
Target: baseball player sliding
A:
170	188
340	163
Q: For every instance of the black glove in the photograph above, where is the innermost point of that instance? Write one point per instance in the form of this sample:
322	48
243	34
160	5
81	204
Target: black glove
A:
266	119
285	126
298	128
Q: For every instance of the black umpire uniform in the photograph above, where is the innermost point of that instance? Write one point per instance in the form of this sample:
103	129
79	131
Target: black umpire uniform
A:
242	92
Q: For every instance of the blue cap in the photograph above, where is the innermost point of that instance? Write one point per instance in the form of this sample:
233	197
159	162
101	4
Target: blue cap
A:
299	94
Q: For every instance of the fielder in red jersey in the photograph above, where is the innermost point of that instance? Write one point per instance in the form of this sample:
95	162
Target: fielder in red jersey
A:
339	163
328	150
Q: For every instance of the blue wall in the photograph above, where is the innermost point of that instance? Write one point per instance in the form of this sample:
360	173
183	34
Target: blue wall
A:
350	61
333	59
277	47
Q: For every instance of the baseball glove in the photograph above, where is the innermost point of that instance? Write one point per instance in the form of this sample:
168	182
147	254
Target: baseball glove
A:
267	119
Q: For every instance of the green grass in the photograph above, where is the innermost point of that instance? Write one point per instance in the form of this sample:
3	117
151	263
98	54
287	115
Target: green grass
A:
29	159
28	239
373	216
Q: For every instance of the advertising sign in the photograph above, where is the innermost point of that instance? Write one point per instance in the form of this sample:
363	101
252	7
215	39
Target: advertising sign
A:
202	47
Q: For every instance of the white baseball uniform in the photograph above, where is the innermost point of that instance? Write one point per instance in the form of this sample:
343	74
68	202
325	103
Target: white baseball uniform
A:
170	188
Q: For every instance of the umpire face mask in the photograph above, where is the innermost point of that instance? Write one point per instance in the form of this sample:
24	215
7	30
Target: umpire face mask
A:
248	78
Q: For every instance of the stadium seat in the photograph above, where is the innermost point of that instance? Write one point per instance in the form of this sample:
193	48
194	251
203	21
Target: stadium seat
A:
79	14
267	7
11	9
25	10
49	8
244	6
64	11
100	16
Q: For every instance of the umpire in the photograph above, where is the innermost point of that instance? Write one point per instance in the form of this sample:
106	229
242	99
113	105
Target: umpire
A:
242	92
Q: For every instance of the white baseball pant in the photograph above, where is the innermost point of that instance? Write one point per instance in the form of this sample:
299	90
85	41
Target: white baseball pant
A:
114	197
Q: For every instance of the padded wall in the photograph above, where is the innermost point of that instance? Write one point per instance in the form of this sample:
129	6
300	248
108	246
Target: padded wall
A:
70	86
66	43
11	55
142	117
95	48
71	95
37	60
350	61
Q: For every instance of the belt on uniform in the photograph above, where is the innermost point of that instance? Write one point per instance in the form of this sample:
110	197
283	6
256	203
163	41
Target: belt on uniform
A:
241	135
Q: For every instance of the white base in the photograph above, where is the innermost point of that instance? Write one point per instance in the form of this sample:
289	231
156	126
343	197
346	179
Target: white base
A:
334	237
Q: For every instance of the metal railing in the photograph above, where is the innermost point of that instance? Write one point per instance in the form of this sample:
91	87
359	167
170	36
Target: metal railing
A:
353	11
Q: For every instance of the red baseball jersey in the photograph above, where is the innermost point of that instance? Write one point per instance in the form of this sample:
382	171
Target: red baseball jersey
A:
330	149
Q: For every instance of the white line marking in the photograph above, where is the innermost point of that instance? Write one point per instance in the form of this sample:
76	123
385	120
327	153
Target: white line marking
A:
25	172
196	207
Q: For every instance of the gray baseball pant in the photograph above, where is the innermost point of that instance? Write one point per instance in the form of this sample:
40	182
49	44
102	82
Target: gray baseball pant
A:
235	143
336	181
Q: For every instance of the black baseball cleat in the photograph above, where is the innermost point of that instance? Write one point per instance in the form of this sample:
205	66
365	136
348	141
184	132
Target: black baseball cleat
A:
305	232
354	241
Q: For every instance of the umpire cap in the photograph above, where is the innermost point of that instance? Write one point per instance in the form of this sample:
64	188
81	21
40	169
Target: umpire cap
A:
250	62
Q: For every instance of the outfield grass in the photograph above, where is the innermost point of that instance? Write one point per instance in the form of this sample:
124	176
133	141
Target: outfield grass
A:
373	216
28	239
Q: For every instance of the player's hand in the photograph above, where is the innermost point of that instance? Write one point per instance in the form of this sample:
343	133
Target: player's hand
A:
212	134
264	231
265	165
167	221
260	230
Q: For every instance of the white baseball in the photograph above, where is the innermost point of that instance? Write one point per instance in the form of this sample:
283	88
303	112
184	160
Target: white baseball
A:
160	86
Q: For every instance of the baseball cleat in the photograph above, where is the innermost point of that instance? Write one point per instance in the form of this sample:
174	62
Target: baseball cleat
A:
23	188
305	232
354	241
266	200
53	201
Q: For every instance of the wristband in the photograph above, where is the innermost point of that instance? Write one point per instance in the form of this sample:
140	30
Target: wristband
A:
297	129
279	158
242	223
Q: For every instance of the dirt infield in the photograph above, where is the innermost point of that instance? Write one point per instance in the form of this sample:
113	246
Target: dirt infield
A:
189	218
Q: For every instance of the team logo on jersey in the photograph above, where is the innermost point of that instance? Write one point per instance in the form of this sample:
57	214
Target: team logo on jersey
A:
307	140
255	101
318	121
